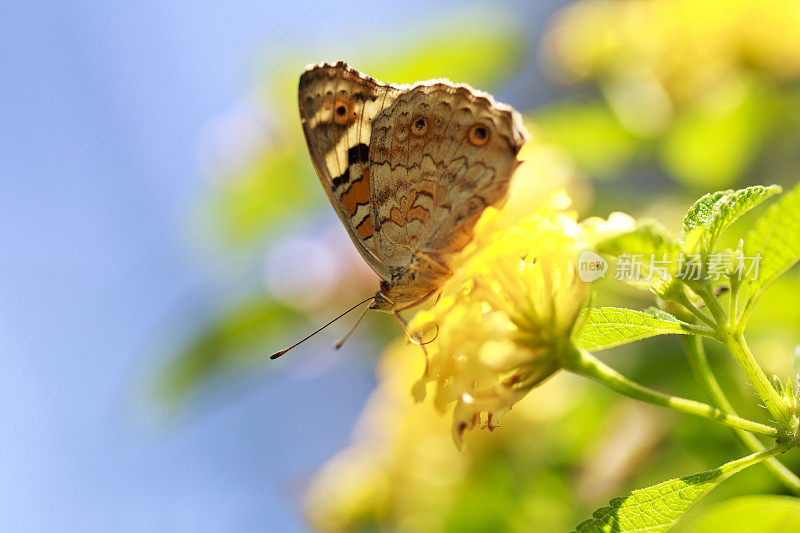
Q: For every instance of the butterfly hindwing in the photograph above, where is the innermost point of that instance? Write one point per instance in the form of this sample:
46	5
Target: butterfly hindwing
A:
440	155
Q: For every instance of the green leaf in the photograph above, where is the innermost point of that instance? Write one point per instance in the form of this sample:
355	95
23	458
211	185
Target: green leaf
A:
715	212
238	339
796	363
751	514
649	244
775	241
606	327
657	508
649	237
652	509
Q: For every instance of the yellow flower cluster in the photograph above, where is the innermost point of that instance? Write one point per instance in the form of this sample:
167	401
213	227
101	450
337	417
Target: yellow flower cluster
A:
510	306
402	468
682	44
402	472
653	58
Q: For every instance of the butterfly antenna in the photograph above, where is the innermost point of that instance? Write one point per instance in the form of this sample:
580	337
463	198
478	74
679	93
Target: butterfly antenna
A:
338	344
280	353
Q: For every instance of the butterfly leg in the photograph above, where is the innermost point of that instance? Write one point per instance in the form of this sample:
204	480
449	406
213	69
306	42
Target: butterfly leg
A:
416	302
425	256
404	325
416	339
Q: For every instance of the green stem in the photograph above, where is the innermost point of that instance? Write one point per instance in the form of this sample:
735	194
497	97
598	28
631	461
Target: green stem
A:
698	329
732	337
693	309
737	345
732	467
583	362
733	306
693	346
713	305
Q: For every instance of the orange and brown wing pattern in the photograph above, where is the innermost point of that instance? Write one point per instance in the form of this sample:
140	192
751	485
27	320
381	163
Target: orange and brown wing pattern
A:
408	169
440	154
337	107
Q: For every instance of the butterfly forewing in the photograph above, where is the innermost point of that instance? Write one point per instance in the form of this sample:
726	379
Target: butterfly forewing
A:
337	107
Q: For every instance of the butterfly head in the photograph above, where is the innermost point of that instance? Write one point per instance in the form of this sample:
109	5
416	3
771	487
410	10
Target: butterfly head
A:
382	302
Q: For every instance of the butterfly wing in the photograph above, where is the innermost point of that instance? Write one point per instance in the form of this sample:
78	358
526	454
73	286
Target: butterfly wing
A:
441	153
337	107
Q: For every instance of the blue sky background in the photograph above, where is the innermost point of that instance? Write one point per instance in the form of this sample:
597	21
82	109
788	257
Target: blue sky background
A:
101	108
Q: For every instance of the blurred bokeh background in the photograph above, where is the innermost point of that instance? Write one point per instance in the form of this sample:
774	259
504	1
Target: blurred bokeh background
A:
162	230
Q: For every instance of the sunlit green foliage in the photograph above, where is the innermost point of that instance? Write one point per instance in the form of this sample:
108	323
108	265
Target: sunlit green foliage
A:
607	327
751	514
655	508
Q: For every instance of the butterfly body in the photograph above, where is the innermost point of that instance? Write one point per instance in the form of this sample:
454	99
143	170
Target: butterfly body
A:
408	169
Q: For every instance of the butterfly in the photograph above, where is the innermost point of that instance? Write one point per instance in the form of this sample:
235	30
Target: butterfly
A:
409	169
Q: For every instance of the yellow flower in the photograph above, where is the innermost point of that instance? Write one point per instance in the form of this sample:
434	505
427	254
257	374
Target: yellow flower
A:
502	318
401	471
680	48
